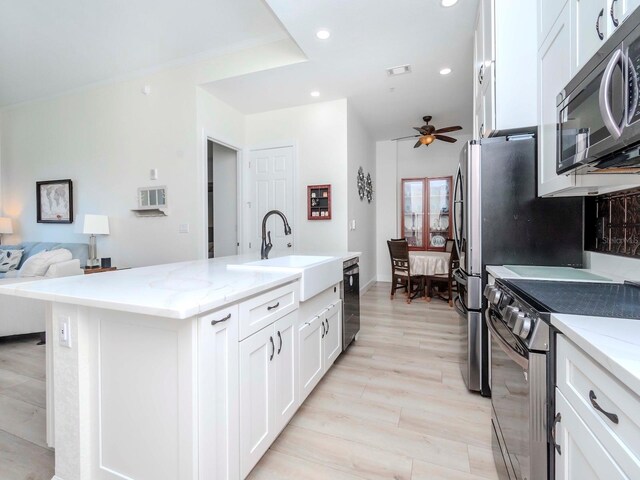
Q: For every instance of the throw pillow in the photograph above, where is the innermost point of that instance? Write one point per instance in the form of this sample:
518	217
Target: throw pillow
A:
38	264
9	260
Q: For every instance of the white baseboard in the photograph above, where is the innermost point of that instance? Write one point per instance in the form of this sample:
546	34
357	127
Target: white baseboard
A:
56	477
384	278
364	289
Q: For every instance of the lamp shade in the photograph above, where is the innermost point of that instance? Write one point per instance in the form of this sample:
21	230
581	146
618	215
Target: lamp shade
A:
5	225
96	225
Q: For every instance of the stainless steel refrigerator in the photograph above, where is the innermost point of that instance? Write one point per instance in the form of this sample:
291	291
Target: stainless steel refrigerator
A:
499	220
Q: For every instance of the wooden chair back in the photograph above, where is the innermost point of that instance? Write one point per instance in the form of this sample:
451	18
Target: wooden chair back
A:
399	254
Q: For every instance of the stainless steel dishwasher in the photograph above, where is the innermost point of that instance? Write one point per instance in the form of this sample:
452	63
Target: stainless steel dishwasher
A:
350	301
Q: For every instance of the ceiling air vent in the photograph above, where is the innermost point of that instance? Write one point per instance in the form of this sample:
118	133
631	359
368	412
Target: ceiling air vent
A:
400	70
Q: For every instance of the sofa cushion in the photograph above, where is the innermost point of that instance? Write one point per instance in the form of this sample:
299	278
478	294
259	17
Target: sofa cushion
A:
38	264
10	259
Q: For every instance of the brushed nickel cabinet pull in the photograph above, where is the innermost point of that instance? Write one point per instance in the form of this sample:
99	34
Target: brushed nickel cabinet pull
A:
213	322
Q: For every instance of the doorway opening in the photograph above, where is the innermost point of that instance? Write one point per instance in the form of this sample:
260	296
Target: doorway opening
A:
222	200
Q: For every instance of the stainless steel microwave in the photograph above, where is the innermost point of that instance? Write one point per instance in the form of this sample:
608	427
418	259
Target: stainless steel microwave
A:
598	113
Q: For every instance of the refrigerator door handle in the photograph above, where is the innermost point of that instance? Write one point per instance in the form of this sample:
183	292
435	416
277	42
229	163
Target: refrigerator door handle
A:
457	203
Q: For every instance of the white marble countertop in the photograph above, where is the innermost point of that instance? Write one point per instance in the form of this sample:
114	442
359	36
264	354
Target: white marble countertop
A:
501	271
613	342
177	290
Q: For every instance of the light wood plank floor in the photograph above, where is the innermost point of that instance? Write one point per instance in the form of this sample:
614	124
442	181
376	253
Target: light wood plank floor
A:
23	448
393	407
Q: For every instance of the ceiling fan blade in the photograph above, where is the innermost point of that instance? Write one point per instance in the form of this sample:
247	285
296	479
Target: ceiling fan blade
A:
446	139
402	138
421	130
418	143
448	129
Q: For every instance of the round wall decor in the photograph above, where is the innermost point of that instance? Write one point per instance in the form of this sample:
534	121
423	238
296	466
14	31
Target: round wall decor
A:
369	188
362	184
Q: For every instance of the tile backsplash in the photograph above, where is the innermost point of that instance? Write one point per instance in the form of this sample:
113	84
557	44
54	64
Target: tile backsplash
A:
612	224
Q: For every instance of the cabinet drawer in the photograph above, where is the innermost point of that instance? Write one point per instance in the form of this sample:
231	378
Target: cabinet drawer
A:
262	310
588	387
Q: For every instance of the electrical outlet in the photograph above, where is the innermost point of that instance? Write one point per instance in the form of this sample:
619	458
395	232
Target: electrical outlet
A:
64	331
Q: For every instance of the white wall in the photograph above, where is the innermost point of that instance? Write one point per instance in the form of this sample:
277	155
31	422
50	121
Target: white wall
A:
398	160
361	153
225	200
319	133
107	138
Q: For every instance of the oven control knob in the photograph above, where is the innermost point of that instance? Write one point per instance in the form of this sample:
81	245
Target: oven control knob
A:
518	323
497	295
488	290
510	315
527	323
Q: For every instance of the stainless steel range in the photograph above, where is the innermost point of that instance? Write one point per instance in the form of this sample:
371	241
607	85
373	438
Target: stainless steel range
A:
522	364
520	368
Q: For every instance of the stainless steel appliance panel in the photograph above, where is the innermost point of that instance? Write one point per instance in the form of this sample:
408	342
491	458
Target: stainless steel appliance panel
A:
471	349
350	302
468	210
518	397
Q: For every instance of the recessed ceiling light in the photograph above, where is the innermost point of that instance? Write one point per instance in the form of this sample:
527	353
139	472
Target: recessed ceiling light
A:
399	70
315	93
445	71
449	3
323	34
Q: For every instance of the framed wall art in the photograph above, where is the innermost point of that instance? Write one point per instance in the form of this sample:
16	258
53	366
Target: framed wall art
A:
54	201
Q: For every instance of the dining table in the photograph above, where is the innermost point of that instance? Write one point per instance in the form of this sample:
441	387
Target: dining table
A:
429	262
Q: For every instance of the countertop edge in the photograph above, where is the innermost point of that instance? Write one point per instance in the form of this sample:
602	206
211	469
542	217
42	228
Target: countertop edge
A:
565	324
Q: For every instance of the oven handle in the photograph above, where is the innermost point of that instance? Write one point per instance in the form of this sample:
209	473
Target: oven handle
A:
605	86
506	348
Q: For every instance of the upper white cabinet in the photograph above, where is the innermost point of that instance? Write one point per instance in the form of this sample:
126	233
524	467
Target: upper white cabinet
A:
502	99
568	41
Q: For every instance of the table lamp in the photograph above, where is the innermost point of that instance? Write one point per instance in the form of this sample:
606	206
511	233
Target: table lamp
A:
6	226
94	225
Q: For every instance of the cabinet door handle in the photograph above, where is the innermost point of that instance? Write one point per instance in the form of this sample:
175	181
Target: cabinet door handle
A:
273	306
611	416
481	74
552	432
273	348
480	131
612	12
279	338
323	331
213	322
327	326
600	34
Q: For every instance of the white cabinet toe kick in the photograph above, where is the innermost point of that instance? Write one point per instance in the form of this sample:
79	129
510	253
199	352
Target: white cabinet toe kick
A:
146	397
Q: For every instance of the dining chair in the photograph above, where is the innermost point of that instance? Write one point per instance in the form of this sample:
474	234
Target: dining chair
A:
401	277
454	262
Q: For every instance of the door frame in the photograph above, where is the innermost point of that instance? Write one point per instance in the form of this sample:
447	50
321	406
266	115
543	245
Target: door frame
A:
249	197
204	196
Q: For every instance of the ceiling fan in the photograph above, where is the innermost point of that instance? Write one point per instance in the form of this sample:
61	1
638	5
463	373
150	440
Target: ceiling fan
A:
428	133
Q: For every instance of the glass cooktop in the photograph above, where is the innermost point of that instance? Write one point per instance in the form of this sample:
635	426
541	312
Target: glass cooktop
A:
616	300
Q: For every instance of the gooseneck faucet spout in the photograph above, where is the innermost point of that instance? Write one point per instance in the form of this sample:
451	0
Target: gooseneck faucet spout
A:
266	244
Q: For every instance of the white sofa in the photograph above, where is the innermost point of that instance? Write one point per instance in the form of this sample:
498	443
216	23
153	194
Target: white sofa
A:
20	316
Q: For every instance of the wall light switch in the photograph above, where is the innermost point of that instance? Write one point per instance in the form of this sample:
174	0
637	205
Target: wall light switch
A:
353	224
64	331
183	228
153	174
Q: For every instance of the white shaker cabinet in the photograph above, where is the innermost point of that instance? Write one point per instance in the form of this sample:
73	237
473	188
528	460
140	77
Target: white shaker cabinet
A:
311	363
590	21
504	99
218	394
268	388
581	456
332	334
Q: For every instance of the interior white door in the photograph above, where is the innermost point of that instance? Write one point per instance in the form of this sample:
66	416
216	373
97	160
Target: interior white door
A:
218	394
311	366
257	395
286	394
332	335
272	188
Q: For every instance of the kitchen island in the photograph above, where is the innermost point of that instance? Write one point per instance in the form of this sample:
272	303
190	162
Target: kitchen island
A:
181	371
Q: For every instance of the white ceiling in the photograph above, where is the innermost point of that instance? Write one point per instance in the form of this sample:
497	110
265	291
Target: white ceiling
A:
368	36
49	47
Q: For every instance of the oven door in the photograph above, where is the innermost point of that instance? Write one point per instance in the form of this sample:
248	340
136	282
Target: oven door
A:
510	397
591	117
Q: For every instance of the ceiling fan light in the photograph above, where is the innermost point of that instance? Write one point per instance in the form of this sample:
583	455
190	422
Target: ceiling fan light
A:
427	139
